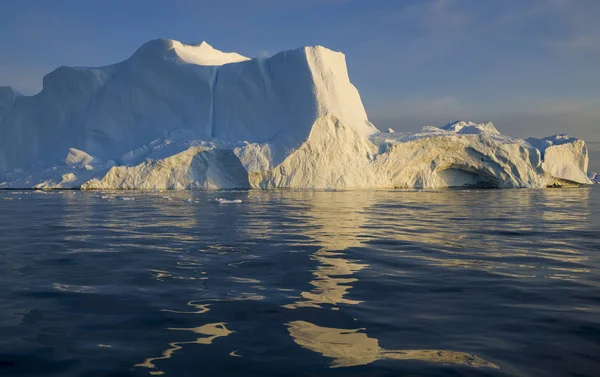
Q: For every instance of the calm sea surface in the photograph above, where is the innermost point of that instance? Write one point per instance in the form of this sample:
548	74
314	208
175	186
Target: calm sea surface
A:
300	283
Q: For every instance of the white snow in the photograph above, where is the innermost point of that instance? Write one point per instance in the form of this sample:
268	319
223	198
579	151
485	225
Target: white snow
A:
204	54
177	116
468	127
201	54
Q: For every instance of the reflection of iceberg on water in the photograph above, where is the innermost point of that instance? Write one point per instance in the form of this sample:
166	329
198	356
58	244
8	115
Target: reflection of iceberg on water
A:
211	331
350	347
336	219
331	283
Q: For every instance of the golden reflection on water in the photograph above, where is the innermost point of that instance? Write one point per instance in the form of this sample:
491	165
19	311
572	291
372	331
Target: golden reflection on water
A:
329	285
442	222
351	347
211	331
201	308
335	221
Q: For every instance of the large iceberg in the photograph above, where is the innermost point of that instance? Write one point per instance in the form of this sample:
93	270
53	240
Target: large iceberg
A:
176	116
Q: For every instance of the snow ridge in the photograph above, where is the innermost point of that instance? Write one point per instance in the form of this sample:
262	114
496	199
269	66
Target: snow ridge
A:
202	54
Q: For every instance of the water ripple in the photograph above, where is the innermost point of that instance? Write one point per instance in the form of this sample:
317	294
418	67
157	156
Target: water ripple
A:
386	283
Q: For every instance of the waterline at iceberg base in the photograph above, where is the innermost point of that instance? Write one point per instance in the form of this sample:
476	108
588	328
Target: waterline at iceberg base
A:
176	116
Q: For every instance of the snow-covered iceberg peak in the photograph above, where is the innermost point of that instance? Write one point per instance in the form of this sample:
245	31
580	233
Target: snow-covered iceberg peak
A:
201	54
468	127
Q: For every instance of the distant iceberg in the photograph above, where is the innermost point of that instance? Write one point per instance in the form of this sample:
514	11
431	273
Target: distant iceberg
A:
176	116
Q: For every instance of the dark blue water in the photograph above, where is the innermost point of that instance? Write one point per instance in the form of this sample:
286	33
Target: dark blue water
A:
367	283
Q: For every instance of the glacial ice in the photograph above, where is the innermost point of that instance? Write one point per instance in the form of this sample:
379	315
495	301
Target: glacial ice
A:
176	116
228	201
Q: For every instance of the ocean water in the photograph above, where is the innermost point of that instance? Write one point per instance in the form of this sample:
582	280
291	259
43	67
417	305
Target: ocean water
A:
301	283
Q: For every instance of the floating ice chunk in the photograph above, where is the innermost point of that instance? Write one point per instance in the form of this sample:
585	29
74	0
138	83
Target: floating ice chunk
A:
107	197
226	201
125	198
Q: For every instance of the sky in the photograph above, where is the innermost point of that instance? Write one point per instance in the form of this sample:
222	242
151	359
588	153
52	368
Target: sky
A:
530	66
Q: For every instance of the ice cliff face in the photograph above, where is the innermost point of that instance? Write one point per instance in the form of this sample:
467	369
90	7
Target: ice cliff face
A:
176	116
194	168
564	157
166	86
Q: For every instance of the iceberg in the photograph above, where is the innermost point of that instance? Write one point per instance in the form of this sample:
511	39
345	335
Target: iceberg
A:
181	117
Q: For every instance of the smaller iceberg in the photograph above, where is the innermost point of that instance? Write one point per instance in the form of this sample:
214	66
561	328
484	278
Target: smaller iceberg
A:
227	201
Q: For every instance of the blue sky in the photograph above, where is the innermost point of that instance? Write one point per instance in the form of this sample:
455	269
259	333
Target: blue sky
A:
530	66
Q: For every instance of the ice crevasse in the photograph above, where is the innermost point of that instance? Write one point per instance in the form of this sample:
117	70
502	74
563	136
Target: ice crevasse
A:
176	116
